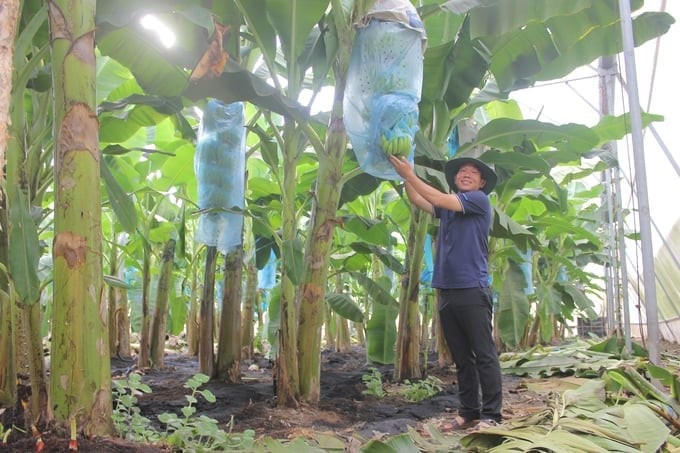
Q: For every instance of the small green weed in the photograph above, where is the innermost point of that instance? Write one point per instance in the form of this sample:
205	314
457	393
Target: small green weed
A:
185	432
4	434
419	390
374	384
128	421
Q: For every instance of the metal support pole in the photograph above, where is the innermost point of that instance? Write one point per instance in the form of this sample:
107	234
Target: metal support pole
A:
641	178
622	260
607	65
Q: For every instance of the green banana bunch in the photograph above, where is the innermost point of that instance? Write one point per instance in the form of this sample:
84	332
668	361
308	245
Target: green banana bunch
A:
398	146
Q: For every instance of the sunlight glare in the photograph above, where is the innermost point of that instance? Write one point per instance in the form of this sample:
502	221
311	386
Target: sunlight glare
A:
166	36
321	103
154	175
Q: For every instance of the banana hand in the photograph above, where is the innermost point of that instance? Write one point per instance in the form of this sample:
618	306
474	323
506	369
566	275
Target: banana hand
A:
397	146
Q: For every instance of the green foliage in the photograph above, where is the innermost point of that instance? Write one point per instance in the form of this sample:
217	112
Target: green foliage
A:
293	252
514	308
127	419
185	432
573	359
293	21
401	442
571	138
667	377
411	391
344	305
616	347
630	382
381	329
190	433
374	384
622	411
618	409
119	200
419	390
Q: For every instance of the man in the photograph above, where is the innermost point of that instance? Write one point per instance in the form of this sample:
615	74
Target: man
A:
462	278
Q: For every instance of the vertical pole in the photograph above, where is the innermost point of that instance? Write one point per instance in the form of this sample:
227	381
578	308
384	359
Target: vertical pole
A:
617	279
606	65
641	177
623	261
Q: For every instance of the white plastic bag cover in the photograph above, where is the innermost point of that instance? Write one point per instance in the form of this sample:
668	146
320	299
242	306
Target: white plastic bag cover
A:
219	165
384	83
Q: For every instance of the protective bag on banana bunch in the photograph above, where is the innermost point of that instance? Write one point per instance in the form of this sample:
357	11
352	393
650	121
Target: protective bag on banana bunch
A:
219	165
384	82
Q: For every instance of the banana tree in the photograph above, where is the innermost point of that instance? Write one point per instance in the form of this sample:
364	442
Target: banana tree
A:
27	152
363	259
160	315
9	24
219	164
118	307
323	221
30	175
80	378
409	340
251	298
293	25
157	228
160	200
371	214
119	33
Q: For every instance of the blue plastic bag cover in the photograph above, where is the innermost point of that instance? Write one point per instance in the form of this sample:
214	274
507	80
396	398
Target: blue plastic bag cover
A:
527	271
266	277
394	115
384	83
428	263
220	165
453	142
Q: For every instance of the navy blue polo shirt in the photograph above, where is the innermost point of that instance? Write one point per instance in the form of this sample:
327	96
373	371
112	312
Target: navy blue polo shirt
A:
461	259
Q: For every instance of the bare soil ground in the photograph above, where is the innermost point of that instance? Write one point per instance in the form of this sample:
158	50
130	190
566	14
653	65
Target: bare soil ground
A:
343	411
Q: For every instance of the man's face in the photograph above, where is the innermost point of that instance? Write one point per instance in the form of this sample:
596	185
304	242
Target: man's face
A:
469	178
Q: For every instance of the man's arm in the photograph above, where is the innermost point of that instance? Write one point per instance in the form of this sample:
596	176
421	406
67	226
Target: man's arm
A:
417	199
422	194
